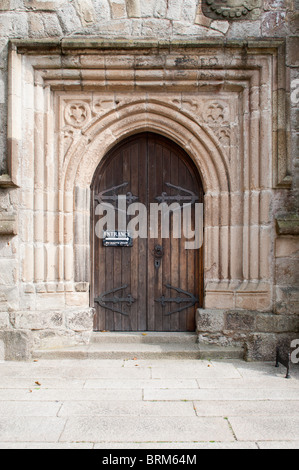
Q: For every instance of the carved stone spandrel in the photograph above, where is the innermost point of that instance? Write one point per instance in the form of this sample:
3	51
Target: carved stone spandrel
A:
77	114
232	9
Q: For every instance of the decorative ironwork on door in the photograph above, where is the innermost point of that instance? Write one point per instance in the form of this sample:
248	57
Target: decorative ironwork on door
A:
102	300
190	300
105	196
188	197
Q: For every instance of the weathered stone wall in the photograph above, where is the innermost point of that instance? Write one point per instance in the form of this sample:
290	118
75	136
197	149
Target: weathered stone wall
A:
167	20
159	19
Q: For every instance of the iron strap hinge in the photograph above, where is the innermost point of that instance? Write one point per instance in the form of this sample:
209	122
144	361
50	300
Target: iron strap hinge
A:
102	300
191	300
188	197
105	196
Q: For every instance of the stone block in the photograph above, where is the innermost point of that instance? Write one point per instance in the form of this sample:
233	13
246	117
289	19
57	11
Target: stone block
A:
154	27
287	224
277	5
222	26
287	271
77	299
274	24
277	323
10	5
295	120
248	29
146	8
293	22
2	88
287	246
9	298
50	301
85	11
8	272
160	9
189	9
200	18
52	25
2	350
174	10
4	321
287	300
5	5
35	25
212	321
82	287
13	25
102	10
44	5
240	321
118	9
68	18
262	346
293	51
80	320
133	8
17	345
38	320
3	53
184	29
253	298
57	339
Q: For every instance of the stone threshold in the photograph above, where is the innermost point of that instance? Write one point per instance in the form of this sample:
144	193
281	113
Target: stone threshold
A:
143	346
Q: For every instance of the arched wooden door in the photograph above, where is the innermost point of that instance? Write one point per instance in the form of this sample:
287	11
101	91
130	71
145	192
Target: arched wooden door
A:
155	284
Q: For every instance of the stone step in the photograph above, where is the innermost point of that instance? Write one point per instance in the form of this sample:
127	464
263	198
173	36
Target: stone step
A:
129	351
143	338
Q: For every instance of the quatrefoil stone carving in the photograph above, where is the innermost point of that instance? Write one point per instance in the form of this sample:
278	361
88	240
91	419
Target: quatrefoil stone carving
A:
77	114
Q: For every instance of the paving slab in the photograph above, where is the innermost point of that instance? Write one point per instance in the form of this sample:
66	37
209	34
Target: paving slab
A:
265	428
78	371
38	381
210	370
224	395
148	404
286	445
133	429
279	383
125	408
69	395
265	369
143	384
179	445
34	429
46	446
246	408
27	408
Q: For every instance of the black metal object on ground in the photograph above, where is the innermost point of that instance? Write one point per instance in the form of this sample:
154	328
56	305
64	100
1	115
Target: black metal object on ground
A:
285	361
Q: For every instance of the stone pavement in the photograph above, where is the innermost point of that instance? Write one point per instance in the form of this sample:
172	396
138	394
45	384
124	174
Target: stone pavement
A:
165	404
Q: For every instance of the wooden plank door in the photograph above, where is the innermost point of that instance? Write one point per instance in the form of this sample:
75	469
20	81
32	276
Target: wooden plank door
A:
156	284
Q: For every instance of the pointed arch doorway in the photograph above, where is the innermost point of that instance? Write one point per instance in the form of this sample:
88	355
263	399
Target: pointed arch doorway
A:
156	284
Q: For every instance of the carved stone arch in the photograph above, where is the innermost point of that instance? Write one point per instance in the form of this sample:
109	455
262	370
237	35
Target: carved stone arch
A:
197	140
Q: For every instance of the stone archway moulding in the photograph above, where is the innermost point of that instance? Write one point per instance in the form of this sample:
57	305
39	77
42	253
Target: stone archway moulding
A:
71	101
